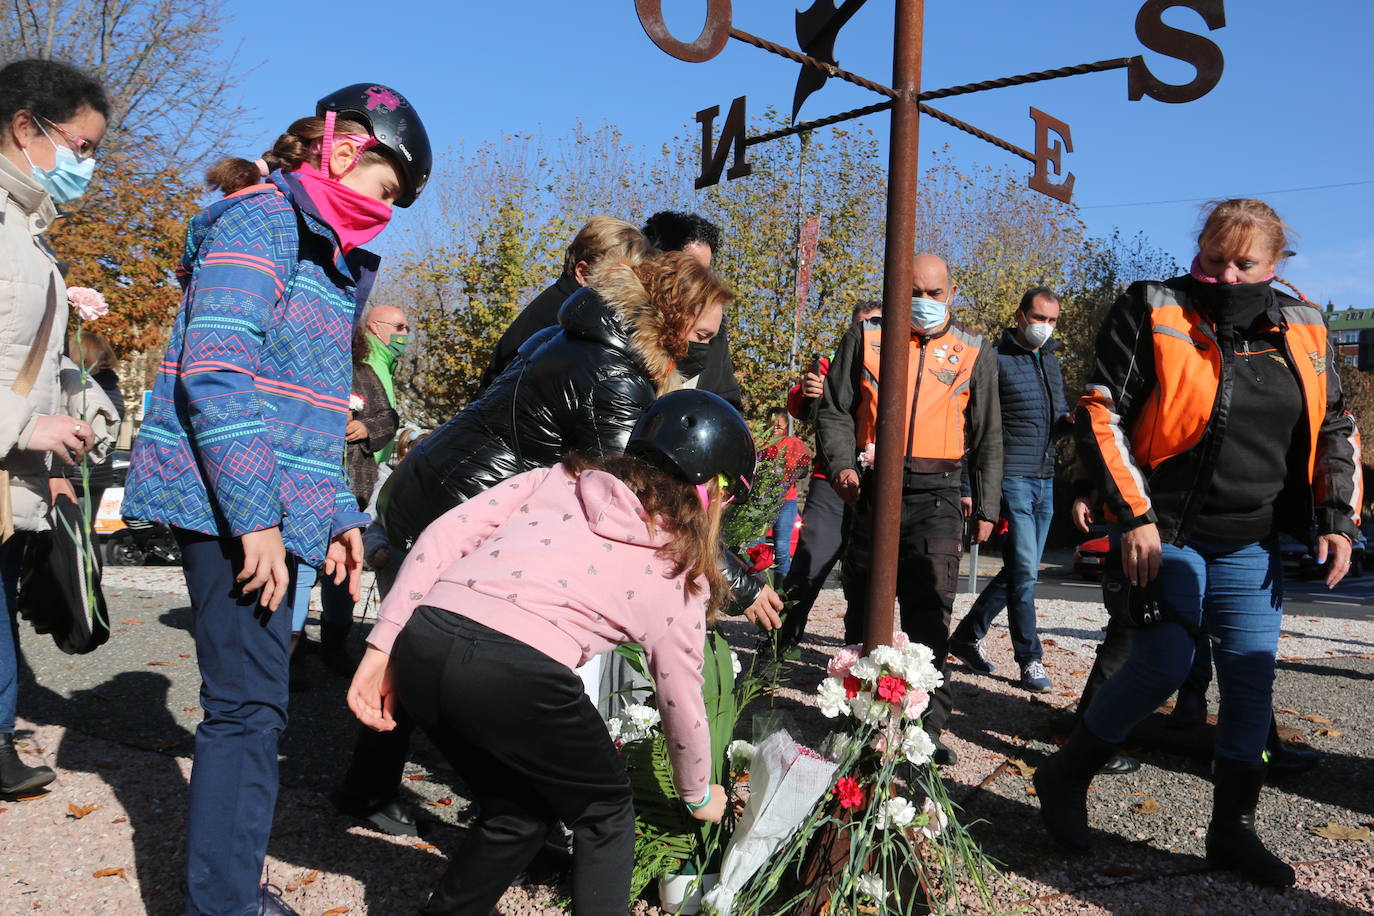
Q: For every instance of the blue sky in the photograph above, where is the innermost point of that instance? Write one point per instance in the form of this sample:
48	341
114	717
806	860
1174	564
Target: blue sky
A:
1293	109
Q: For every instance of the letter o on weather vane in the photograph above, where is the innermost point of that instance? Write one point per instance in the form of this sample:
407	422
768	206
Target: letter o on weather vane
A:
714	34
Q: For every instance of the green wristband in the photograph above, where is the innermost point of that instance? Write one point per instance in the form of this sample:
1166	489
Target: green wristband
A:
705	800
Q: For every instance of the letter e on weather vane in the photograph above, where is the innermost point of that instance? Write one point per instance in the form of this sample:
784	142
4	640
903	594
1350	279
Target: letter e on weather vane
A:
1188	47
714	34
1050	155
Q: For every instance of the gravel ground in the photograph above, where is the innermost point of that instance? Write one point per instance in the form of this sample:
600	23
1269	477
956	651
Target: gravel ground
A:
118	725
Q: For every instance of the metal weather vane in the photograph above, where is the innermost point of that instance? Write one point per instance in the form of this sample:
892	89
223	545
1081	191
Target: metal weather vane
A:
817	29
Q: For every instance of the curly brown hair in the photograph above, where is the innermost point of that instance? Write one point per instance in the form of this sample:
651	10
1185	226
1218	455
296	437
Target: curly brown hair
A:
671	504
681	289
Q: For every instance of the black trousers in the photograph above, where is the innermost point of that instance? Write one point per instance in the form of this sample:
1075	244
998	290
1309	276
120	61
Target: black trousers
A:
518	728
818	549
927	574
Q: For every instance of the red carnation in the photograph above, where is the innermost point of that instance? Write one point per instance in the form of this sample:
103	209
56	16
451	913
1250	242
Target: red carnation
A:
849	792
852	686
771	452
891	688
760	557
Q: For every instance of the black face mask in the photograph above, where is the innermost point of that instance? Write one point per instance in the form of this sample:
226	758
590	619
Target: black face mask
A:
1234	305
694	361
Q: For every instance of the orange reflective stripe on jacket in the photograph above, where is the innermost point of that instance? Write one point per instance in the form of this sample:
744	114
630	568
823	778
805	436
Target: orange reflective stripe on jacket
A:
1180	404
938	382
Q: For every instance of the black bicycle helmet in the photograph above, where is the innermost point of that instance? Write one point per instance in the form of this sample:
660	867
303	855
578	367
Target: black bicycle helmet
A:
395	125
696	435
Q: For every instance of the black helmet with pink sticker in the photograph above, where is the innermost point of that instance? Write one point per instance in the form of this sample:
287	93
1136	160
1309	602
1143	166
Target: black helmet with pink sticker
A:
395	126
697	435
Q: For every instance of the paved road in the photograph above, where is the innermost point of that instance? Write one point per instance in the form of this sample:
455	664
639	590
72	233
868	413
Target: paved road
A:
1352	599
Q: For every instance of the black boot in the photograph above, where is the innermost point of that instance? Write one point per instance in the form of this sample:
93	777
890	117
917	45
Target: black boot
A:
1190	709
1286	759
1231	839
1061	784
334	648
15	777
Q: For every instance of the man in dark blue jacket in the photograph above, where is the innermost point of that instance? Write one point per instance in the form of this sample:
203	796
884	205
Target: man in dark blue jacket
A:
1033	413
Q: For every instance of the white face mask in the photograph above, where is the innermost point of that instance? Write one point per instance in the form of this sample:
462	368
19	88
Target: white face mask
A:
1037	334
928	314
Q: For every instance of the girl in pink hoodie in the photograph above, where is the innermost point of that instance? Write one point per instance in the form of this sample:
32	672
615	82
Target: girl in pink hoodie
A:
505	594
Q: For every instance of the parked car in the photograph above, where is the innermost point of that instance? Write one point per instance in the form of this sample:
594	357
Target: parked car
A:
1090	557
1300	561
128	542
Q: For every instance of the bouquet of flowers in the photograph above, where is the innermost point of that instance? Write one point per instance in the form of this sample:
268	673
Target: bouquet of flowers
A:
885	838
746	524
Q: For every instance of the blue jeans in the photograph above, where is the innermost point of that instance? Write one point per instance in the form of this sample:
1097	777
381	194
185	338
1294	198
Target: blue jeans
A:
783	529
242	653
1029	503
1234	592
336	605
9	632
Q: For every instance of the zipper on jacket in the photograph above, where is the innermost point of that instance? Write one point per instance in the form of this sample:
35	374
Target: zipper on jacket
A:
916	395
1049	413
1210	447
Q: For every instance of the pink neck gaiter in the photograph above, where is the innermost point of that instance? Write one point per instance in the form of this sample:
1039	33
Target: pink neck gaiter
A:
355	217
1197	273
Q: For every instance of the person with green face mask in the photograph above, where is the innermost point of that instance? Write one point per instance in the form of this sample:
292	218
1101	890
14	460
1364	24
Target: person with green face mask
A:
387	333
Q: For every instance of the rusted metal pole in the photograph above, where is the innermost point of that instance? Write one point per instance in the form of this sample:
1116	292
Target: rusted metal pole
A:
890	459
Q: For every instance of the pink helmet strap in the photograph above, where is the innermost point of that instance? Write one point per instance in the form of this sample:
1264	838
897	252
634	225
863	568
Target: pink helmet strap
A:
327	144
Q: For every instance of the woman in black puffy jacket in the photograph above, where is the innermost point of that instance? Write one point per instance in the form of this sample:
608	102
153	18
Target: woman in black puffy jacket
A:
576	387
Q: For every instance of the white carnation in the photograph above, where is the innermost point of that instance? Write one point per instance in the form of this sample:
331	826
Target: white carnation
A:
635	724
831	699
865	669
885	656
642	716
917	747
872	886
898	812
740	752
735	663
614	726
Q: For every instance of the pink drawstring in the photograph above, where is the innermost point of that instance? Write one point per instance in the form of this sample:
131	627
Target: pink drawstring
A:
327	144
704	494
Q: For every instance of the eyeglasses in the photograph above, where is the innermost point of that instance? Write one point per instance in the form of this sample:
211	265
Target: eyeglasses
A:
82	148
398	325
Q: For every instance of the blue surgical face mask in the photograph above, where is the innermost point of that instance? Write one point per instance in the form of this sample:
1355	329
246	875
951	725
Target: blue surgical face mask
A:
68	178
928	314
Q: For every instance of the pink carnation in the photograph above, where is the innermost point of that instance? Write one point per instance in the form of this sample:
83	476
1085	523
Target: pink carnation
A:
916	701
88	303
843	660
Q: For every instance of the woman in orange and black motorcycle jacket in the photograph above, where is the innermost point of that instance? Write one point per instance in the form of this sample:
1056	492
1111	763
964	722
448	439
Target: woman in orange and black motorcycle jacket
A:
1213	419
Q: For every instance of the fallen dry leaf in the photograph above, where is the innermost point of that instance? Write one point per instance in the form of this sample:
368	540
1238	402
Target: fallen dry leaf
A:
441	802
1150	805
131	622
1291	712
1079	673
312	877
110	873
1030	790
184	655
120	820
158	664
189	708
77	812
1068	693
1335	831
424	846
1328	732
1023	768
1319	720
416	777
336	911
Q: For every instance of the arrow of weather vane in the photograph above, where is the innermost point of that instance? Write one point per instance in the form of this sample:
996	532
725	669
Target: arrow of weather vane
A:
818	27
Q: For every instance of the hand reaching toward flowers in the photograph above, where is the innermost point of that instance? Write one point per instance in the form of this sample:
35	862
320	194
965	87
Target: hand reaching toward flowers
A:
763	613
356	431
371	696
714	809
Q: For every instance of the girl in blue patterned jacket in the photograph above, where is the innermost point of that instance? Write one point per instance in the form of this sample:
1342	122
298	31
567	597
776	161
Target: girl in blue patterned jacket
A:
242	449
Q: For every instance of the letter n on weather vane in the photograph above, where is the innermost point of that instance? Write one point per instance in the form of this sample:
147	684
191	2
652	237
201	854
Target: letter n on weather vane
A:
732	134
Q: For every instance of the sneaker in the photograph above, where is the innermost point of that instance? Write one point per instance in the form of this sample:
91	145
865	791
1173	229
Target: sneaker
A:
1034	678
971	654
